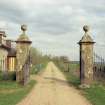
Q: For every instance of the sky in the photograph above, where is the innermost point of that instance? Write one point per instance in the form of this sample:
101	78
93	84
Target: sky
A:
55	26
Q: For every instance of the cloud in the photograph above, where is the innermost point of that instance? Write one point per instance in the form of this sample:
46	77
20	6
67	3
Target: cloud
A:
55	26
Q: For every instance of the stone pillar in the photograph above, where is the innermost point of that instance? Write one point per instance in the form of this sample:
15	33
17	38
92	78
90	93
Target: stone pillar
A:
86	58
23	49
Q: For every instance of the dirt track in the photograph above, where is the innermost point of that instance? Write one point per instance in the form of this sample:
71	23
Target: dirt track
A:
52	89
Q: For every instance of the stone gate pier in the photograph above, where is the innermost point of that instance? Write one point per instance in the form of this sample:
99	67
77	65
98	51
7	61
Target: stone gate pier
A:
86	58
23	57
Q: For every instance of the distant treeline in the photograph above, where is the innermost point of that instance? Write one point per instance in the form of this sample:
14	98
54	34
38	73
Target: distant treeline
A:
38	58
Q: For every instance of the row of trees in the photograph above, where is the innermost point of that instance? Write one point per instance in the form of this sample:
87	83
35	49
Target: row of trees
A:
37	57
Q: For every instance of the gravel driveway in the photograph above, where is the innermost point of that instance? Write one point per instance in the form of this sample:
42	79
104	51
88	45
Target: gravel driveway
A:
52	89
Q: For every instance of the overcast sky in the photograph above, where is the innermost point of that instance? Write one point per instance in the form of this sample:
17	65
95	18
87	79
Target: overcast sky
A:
55	26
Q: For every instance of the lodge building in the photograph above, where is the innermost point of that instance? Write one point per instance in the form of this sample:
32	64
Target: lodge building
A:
7	53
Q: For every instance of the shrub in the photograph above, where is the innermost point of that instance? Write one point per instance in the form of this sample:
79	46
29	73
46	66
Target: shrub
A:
8	76
12	76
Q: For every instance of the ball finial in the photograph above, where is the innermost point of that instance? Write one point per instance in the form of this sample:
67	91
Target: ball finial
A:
86	28
23	27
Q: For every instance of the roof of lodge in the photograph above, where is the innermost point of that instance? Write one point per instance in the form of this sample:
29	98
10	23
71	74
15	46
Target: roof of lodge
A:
5	47
12	52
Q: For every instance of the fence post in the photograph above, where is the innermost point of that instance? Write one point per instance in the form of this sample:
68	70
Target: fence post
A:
86	58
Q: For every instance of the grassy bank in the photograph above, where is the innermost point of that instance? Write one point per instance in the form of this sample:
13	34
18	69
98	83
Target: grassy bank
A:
95	94
11	92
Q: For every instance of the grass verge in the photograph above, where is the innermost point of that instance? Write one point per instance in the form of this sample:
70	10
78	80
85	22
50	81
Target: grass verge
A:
96	94
11	92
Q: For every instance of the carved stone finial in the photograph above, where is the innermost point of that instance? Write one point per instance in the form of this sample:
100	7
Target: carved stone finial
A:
86	28
23	27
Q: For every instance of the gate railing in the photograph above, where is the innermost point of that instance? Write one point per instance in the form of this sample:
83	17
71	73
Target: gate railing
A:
99	68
